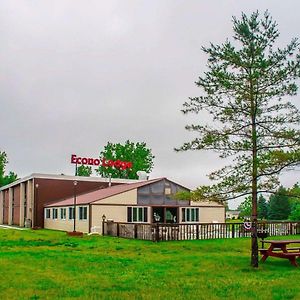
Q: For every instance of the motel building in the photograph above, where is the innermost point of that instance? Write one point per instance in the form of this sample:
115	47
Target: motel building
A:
53	201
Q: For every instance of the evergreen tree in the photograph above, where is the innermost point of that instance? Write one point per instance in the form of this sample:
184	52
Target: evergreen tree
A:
245	89
279	205
262	207
5	179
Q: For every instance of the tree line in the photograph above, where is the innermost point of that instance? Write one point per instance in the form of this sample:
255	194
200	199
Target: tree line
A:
284	204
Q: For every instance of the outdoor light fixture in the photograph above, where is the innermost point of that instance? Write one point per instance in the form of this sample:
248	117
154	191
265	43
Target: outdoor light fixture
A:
103	220
74	213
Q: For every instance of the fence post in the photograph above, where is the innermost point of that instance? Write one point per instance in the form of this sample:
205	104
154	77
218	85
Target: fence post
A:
135	231
118	230
291	228
156	232
232	230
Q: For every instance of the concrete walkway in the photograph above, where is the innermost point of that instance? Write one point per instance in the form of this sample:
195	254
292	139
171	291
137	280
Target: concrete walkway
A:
12	227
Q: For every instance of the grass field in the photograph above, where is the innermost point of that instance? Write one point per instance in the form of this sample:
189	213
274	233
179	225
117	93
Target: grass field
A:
47	264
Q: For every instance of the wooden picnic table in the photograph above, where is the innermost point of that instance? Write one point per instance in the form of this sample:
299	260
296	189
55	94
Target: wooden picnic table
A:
278	248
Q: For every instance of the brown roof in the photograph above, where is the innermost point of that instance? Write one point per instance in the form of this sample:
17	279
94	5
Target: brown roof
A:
102	193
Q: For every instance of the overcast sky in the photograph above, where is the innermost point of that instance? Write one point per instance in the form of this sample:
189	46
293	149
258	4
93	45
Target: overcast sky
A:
77	74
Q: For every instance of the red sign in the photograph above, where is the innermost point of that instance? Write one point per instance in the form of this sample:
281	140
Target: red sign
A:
118	164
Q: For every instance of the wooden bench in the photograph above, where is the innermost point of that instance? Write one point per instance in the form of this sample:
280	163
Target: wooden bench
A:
279	249
291	256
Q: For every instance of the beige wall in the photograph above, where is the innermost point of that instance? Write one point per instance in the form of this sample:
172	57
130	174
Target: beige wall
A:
211	214
115	213
205	203
67	225
129	197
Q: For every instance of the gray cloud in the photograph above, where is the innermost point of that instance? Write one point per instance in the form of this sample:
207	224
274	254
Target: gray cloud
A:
76	74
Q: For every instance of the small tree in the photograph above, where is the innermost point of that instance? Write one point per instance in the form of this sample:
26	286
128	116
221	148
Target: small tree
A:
5	179
245	208
295	212
279	205
244	90
262	207
84	171
137	153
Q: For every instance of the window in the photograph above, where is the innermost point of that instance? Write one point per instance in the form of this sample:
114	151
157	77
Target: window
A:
190	214
54	213
82	213
71	213
48	213
137	214
63	213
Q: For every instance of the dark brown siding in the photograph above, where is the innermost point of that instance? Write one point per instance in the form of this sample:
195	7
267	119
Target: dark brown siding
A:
51	190
16	205
5	207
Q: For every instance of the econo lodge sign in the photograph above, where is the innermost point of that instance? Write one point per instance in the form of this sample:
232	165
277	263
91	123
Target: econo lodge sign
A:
123	165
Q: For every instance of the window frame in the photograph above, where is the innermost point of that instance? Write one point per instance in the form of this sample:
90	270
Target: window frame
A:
47	213
137	214
190	214
54	213
65	213
82	213
71	215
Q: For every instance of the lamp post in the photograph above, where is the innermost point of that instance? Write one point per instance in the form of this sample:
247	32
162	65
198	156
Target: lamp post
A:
74	214
35	205
103	220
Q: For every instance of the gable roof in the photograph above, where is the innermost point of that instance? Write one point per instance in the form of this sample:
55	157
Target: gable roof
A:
101	194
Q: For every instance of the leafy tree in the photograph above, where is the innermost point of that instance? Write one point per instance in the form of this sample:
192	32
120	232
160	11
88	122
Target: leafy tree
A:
279	206
245	208
295	212
294	201
84	170
5	179
262	207
244	91
137	153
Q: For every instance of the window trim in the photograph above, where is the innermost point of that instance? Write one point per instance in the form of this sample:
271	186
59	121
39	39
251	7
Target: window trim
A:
48	213
190	213
55	215
139	213
82	213
71	217
65	214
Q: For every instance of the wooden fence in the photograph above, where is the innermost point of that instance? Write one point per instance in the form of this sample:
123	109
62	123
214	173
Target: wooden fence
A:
168	232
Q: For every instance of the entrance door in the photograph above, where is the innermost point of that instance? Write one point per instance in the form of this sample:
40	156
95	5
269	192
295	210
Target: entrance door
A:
158	215
171	215
164	214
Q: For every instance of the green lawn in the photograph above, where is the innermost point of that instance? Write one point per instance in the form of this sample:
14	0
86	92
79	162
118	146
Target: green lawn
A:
47	264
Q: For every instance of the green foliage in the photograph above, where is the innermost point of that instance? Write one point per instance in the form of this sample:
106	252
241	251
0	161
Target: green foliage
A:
5	179
245	208
183	195
244	90
262	207
84	170
295	212
294	200
137	153
279	206
92	267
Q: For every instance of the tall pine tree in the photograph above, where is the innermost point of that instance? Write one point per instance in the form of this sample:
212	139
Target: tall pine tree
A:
245	90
